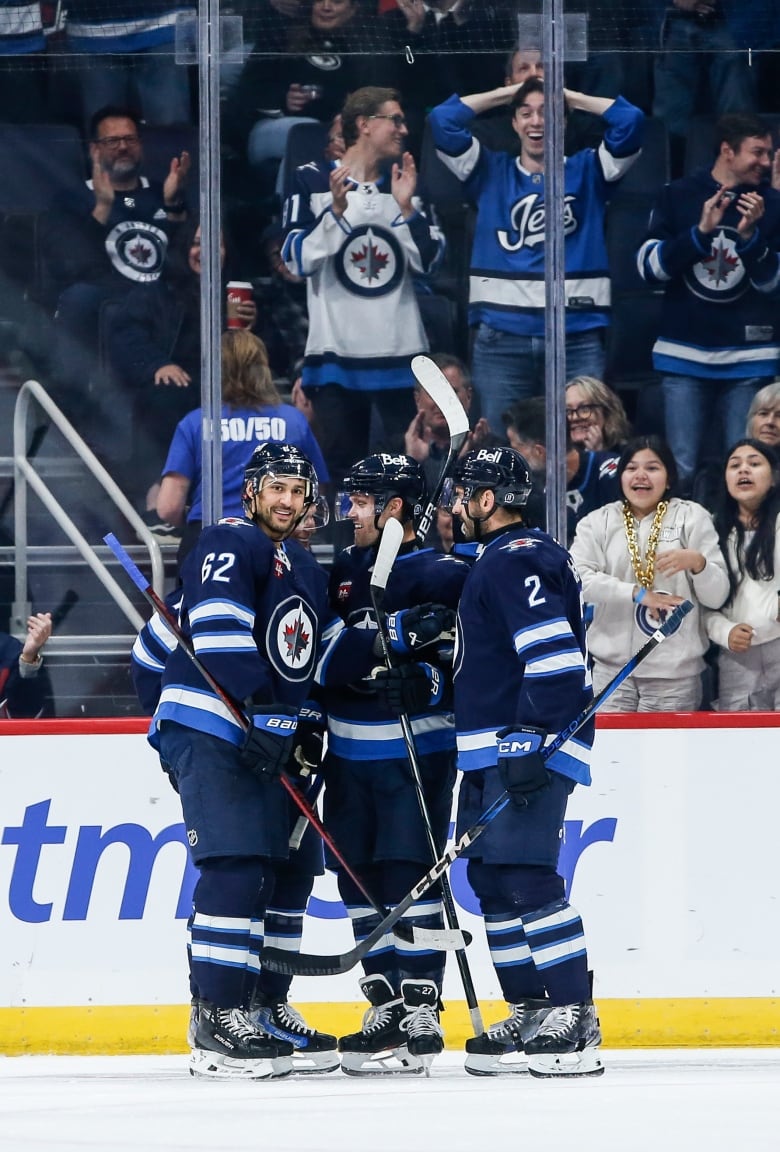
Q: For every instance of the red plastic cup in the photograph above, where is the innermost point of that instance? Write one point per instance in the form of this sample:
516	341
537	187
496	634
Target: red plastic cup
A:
238	291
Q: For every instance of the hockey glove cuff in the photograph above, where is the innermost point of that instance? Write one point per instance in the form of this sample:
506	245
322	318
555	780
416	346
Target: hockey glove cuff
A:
309	738
520	762
413	628
268	744
412	688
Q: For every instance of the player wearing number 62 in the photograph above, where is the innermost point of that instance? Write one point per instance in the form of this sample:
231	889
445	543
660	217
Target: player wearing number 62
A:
252	605
521	676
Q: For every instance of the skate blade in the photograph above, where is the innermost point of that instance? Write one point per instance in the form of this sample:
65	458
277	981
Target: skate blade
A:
307	1064
512	1064
391	1062
211	1066
552	1064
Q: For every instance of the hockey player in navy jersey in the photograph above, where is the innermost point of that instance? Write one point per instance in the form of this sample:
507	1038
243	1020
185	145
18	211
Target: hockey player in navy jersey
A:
506	294
357	231
252	605
371	806
520	676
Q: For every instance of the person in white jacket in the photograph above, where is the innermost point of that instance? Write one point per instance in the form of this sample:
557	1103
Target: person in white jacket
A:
639	558
746	628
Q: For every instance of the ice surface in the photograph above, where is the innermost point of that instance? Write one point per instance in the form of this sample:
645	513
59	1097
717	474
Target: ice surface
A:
647	1101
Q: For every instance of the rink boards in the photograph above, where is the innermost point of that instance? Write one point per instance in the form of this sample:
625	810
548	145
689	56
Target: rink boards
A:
671	857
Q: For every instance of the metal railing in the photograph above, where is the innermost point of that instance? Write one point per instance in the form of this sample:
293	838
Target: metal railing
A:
26	474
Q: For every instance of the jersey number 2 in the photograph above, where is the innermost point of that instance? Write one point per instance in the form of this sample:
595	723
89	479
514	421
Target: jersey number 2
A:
534	599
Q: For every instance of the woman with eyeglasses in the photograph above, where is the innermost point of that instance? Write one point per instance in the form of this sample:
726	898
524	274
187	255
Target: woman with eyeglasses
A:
595	416
639	557
746	629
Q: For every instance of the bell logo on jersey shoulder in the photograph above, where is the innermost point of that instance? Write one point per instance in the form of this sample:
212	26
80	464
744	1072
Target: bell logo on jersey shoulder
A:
291	639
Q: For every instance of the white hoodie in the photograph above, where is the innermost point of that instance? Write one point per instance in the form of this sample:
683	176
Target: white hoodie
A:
755	601
620	627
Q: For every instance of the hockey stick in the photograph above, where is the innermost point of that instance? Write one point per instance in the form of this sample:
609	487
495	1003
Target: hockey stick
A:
302	823
435	939
306	964
438	387
392	537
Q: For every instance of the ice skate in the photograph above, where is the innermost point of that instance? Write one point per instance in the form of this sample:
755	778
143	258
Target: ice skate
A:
228	1046
566	1043
421	1022
501	1050
379	1048
312	1051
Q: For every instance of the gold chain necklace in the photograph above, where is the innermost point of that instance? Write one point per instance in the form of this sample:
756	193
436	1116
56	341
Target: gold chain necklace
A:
644	575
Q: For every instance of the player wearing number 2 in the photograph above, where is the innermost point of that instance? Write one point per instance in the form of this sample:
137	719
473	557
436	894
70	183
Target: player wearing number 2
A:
521	675
252	603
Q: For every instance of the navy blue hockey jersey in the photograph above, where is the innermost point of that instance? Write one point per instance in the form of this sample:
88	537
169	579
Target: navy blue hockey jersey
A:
521	653
358	728
253	610
720	317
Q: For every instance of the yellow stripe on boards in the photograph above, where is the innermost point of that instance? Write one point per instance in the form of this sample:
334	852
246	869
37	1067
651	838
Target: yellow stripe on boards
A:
147	1029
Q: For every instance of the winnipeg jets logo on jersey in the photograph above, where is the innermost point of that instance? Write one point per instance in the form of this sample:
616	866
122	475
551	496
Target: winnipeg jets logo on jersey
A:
362	618
720	276
648	620
527	220
290	639
137	250
370	263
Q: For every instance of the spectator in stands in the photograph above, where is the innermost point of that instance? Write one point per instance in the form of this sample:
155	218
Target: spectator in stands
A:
358	236
317	61
154	347
763	422
640	557
507	284
447	46
747	627
252	414
283	318
23	686
698	44
112	236
427	438
714	245
591	476
127	48
595	415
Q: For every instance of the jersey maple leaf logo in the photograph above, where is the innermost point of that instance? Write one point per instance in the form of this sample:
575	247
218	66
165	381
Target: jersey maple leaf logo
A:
369	261
140	252
721	261
296	638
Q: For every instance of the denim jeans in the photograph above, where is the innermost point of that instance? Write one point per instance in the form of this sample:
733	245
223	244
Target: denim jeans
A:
507	367
692	47
693	404
149	79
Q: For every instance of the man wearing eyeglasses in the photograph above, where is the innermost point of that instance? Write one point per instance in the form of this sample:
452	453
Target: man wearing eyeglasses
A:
113	234
356	230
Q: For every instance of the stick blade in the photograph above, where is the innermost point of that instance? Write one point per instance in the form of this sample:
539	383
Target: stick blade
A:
306	963
432	379
392	538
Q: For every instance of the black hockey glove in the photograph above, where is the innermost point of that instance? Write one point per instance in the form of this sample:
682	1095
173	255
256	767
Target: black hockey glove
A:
268	744
412	688
413	628
309	737
520	763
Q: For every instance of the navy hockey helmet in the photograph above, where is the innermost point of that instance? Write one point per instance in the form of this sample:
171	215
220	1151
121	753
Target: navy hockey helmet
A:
384	476
273	459
503	470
